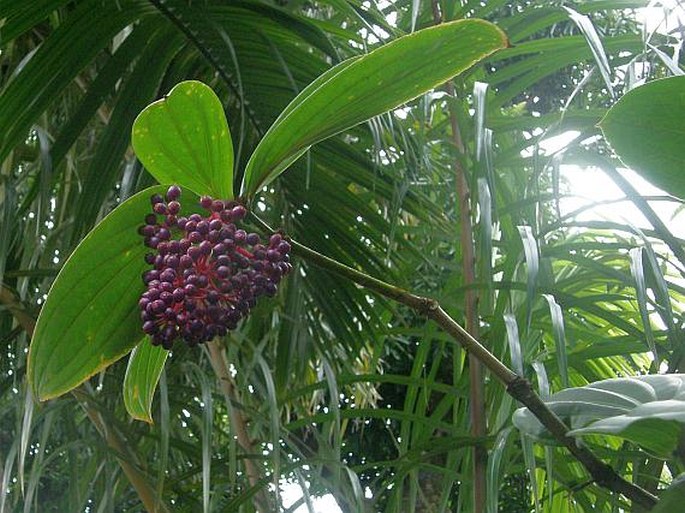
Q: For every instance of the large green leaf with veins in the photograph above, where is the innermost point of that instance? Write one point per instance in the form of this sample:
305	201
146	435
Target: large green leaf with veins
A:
360	88
91	318
646	129
184	139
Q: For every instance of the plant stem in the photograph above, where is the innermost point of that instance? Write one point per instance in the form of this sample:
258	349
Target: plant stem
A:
476	381
146	492
516	386
238	422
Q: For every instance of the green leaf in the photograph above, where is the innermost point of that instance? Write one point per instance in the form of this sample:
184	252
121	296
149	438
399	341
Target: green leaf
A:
672	498
646	129
184	139
144	369
354	91
90	318
648	410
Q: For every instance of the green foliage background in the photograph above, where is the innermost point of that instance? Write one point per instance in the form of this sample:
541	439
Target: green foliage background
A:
340	388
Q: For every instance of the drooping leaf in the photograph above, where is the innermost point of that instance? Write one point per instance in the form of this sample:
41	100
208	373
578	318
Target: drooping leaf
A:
184	139
71	47
90	318
144	369
646	129
355	91
648	410
590	32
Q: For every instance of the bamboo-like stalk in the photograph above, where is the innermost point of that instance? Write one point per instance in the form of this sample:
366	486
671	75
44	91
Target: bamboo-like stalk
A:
476	381
516	386
238	421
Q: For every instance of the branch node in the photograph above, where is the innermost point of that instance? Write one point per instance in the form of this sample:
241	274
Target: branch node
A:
519	387
427	306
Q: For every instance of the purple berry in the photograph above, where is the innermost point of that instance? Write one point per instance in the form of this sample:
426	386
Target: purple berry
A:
168	275
283	248
185	261
174	207
150	327
157	306
194	253
238	212
206	278
195	237
205	247
203	227
160	208
179	295
173	193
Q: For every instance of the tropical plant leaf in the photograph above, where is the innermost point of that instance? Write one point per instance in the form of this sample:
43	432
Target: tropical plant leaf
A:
144	369
648	410
90	318
646	129
672	498
184	139
355	91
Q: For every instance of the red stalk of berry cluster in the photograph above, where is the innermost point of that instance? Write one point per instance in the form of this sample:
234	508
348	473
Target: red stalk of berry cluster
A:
207	272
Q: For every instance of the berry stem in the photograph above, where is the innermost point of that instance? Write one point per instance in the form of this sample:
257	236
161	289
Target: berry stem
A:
244	252
516	386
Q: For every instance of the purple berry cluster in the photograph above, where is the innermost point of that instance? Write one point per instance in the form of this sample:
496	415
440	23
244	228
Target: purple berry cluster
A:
207	271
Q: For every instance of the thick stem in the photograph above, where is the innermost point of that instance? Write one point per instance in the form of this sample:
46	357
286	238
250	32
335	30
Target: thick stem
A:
220	365
516	386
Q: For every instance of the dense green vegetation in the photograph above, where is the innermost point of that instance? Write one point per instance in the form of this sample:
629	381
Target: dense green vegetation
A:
454	196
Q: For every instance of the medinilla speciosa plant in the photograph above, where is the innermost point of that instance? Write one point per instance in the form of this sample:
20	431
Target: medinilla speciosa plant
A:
183	262
201	269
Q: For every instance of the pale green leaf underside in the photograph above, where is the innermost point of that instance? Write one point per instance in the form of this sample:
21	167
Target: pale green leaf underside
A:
184	139
357	90
648	410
